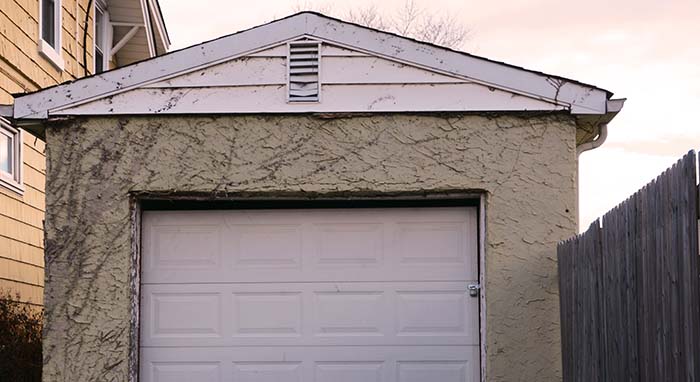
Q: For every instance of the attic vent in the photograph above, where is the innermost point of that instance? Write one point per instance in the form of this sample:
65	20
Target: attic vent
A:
303	71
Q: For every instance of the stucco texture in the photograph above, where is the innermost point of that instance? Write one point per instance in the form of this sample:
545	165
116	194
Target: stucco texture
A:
525	164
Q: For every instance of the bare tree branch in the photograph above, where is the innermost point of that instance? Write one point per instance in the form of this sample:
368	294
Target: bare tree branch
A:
306	5
368	16
442	28
406	18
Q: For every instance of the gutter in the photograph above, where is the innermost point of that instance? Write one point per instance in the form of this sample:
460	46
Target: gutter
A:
594	144
613	106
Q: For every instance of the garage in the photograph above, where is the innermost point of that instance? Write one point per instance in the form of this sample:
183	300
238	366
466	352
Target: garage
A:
324	294
298	202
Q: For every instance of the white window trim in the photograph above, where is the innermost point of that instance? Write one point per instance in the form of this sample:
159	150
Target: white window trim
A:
106	37
14	182
45	49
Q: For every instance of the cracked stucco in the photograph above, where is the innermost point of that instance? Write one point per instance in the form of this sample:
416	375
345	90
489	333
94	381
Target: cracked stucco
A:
525	163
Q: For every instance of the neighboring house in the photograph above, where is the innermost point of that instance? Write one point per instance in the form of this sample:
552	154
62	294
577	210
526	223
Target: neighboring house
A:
44	43
309	200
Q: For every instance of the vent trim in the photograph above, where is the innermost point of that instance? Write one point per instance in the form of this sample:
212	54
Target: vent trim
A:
303	71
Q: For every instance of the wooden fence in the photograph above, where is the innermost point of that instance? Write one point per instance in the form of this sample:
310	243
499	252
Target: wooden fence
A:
629	287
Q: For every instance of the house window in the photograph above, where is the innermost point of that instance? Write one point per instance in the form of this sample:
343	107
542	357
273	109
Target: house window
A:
48	22
50	31
100	39
10	157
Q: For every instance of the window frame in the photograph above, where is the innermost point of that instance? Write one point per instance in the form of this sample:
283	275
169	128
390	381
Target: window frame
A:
14	180
52	52
106	38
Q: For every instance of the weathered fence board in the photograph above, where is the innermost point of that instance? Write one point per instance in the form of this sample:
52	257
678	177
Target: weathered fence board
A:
630	288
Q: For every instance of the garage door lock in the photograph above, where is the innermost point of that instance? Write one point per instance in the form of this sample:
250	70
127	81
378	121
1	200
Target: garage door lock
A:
474	289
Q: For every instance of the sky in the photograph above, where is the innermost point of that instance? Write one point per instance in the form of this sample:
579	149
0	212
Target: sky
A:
647	51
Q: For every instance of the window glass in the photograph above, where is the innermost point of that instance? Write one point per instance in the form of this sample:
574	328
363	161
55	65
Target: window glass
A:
10	157
99	28
48	21
6	154
99	62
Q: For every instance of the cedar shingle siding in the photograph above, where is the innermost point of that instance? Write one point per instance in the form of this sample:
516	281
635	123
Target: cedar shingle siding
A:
24	69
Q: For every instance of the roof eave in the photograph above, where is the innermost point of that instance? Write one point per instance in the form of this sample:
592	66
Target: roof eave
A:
579	98
161	28
590	124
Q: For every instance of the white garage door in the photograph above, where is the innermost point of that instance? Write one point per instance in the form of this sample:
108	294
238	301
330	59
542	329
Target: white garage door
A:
325	295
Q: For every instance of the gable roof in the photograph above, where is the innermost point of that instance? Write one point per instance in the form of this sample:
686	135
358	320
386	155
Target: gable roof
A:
557	92
138	29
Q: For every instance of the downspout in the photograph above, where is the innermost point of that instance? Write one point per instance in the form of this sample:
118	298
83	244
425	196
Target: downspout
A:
85	30
602	136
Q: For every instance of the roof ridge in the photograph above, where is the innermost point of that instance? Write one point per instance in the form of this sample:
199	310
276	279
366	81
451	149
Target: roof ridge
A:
556	89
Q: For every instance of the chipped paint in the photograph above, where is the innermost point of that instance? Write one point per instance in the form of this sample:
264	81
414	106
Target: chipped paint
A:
579	98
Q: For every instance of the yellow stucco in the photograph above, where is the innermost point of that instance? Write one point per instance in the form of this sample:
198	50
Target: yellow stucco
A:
525	165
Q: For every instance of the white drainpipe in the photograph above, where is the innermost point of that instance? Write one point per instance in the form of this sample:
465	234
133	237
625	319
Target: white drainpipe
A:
602	136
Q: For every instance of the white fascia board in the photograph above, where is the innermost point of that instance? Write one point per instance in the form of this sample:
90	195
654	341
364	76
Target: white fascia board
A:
37	105
578	98
583	99
615	105
159	23
149	32
6	111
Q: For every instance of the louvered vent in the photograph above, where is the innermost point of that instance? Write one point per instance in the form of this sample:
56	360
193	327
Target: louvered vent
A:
304	71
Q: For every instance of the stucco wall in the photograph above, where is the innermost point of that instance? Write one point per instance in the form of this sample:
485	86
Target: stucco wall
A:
526	164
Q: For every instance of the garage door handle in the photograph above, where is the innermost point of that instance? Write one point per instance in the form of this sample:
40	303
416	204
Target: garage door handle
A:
474	289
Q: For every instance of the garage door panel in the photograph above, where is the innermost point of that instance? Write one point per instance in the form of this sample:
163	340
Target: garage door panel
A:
349	371
267	371
355	314
179	371
434	313
422	371
273	314
337	364
348	244
430	313
310	245
186	314
432	243
185	247
265	246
